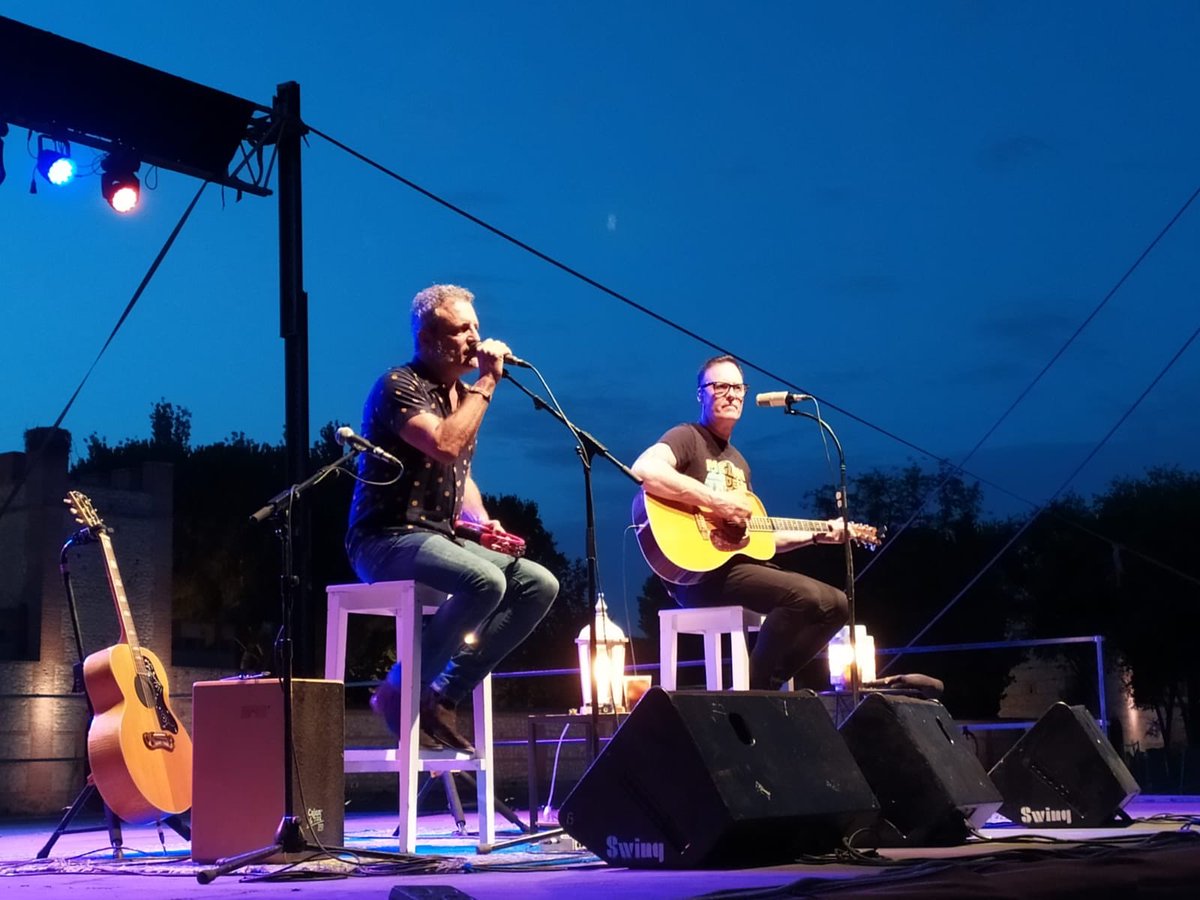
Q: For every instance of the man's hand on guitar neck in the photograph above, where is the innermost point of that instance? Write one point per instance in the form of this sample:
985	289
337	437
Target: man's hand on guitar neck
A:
790	540
836	535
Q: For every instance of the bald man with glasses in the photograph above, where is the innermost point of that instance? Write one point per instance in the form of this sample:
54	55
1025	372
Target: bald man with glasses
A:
696	465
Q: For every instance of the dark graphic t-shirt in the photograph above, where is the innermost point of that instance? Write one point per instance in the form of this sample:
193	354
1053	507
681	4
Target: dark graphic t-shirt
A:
702	455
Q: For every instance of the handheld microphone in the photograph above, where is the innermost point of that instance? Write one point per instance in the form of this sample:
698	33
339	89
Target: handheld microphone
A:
510	360
346	437
780	398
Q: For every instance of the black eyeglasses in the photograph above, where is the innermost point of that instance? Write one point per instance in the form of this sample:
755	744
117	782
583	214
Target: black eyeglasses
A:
723	388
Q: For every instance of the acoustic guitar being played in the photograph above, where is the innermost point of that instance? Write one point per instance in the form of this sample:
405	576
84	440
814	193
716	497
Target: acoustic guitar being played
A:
681	544
140	753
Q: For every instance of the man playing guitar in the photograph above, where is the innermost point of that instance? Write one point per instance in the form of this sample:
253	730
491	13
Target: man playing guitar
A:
694	466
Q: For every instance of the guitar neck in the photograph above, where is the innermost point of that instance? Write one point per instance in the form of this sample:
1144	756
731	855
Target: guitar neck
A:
772	523
128	632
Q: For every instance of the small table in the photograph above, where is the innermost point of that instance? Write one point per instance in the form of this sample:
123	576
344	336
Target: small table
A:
556	722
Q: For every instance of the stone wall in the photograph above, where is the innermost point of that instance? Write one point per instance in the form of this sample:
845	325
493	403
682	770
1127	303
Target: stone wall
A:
43	724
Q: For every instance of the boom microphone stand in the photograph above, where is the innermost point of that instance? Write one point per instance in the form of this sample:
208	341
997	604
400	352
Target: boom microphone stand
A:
288	836
587	449
843	510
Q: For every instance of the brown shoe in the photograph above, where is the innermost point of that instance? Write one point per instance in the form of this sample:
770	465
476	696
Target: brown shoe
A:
440	722
385	703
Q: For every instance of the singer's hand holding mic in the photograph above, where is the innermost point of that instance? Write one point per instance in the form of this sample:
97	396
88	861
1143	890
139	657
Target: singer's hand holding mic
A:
346	437
491	352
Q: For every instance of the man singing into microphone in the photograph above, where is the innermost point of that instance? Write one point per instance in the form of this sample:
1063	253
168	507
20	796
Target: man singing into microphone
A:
424	414
695	464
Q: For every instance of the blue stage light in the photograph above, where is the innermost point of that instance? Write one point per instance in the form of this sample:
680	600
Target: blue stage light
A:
54	161
56	168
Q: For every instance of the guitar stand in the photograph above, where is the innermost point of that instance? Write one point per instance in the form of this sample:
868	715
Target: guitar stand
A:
112	823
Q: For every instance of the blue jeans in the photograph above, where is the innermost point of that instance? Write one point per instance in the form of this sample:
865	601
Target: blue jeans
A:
494	596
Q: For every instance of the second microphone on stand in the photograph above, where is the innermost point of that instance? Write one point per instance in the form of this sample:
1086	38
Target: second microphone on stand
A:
346	437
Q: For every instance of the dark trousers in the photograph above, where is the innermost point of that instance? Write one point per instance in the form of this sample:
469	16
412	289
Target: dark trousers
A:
802	614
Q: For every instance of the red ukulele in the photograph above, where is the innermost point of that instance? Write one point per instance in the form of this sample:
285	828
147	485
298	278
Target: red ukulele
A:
490	537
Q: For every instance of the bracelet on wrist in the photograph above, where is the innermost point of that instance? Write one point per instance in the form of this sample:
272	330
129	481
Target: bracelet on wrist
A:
487	398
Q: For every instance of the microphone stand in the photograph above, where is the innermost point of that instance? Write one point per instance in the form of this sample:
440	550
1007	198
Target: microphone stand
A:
588	448
843	510
288	836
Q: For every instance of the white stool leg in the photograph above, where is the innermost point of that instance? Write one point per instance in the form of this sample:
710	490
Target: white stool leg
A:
713	677
740	658
668	652
336	624
485	795
408	654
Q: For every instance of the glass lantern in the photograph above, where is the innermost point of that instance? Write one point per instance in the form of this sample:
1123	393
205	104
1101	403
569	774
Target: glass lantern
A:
609	664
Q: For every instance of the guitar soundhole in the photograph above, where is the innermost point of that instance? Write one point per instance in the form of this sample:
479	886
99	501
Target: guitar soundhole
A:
730	538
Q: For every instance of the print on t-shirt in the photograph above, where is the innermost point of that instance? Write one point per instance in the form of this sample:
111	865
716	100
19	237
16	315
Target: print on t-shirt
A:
723	475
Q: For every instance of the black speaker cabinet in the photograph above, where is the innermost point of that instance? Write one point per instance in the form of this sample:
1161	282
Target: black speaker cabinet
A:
1064	774
698	779
932	788
237	764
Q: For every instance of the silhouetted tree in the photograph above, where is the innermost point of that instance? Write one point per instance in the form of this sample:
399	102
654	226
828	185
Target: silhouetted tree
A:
1157	614
226	570
170	428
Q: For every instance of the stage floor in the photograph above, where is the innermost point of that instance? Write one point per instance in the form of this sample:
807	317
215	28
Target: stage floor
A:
1155	856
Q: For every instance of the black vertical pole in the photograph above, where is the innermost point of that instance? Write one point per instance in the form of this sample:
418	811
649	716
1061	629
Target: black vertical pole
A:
293	328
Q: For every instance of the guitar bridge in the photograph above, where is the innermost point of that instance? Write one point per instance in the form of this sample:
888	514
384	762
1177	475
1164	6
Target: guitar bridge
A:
158	740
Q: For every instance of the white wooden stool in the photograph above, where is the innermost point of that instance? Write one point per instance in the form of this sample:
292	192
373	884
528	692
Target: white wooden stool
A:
407	601
711	622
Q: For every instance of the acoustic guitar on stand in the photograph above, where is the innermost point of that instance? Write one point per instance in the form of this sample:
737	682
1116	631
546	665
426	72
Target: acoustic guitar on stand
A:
682	545
140	753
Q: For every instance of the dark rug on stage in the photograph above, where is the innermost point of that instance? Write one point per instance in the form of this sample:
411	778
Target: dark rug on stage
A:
1164	865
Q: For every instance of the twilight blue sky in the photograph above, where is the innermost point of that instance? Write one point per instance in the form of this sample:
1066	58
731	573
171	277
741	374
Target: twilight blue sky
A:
904	209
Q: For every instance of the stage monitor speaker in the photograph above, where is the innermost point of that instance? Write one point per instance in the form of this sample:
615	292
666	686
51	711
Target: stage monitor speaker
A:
932	788
237	764
1064	773
700	779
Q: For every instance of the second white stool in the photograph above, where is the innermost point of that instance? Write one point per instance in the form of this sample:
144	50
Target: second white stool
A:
711	622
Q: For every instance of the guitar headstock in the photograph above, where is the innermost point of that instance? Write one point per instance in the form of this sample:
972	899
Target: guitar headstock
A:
85	514
867	536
